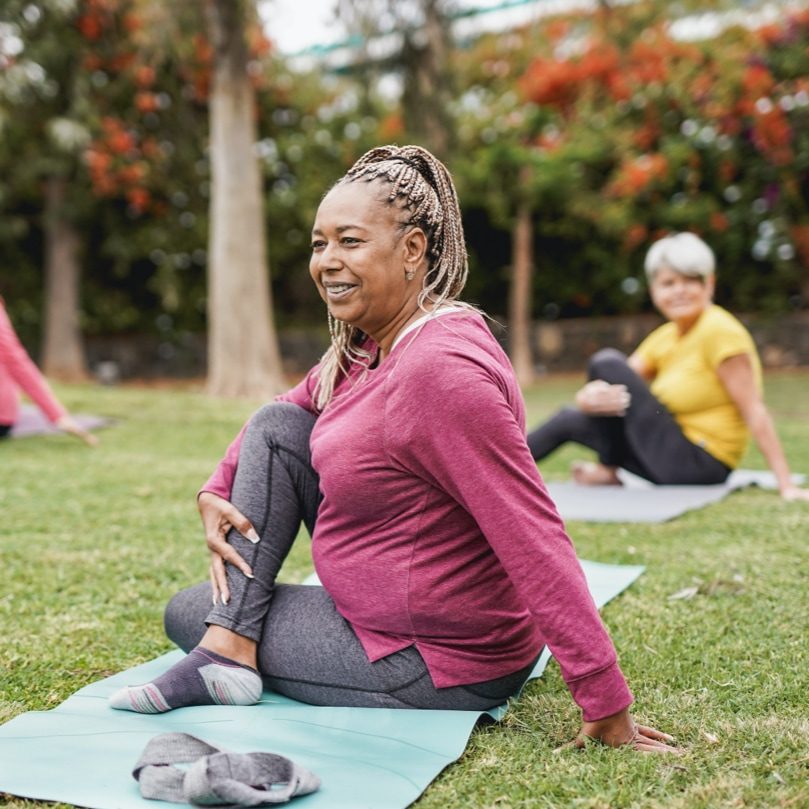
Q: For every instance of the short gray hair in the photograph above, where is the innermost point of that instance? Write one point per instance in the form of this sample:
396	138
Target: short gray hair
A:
685	253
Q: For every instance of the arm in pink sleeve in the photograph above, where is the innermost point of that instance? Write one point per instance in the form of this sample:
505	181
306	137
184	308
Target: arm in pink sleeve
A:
21	371
473	448
221	481
303	393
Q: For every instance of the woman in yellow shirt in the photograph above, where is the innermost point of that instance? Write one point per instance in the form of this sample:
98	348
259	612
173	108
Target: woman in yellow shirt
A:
681	408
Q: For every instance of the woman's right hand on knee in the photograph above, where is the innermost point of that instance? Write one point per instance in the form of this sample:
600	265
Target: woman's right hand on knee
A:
218	517
599	398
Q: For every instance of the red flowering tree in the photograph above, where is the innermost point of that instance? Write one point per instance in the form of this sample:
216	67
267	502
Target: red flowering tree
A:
43	93
648	133
91	161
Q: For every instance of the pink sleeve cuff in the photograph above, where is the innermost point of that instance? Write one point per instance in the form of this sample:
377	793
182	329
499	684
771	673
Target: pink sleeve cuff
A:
601	694
212	487
221	481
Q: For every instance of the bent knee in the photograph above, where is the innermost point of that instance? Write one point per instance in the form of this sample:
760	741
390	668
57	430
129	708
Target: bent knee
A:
281	413
184	616
173	617
281	419
605	363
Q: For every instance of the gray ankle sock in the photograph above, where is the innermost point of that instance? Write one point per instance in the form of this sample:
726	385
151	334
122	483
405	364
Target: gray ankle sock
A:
201	678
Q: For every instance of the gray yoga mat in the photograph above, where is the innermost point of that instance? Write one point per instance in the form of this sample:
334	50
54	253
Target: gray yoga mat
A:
640	501
31	421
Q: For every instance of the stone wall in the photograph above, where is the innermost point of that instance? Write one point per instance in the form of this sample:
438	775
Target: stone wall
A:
183	356
561	345
565	345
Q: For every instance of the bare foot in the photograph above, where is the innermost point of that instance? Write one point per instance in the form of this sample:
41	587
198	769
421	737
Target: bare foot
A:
588	473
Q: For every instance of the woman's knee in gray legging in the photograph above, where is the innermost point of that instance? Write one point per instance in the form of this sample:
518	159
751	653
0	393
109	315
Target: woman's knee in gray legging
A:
608	364
184	616
285	424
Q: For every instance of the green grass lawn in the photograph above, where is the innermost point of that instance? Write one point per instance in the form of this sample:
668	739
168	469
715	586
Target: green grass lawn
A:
93	543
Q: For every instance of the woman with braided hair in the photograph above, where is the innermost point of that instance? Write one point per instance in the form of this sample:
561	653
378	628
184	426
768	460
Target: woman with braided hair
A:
444	565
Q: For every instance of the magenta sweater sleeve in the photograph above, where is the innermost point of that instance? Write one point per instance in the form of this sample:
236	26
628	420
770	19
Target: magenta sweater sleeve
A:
221	481
457	424
21	372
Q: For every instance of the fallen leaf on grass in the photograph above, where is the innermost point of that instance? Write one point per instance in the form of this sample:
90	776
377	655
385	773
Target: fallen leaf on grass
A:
732	586
779	778
686	592
710	738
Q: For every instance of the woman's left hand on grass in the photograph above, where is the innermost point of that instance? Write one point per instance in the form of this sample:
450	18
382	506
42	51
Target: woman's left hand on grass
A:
621	729
793	493
69	425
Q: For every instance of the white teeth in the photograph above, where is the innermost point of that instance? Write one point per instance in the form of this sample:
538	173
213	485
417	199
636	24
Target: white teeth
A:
337	288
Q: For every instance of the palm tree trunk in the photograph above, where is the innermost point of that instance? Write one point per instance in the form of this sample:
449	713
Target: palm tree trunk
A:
520	295
427	91
243	354
63	350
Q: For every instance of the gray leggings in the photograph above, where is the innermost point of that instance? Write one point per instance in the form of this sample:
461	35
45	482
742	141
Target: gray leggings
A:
646	440
306	649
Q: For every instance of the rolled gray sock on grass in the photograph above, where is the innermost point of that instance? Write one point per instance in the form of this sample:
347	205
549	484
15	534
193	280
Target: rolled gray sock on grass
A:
202	677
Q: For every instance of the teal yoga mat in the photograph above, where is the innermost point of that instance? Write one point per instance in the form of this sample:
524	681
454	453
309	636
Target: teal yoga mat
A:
82	752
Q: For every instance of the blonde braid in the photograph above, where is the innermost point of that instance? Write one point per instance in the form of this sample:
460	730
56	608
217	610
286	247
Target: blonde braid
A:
345	345
421	185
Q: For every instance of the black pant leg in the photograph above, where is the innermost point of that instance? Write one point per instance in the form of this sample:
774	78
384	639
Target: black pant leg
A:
646	441
655	445
602	435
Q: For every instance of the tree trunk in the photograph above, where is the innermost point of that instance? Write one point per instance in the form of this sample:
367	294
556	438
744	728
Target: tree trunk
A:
243	354
520	295
63	351
427	95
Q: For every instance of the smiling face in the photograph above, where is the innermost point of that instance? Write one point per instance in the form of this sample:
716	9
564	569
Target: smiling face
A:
360	258
681	299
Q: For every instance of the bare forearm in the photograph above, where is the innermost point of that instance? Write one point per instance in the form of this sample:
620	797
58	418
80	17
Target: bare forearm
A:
764	434
737	377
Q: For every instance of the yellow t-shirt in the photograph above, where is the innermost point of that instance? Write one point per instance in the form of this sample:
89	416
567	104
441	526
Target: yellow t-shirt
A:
686	382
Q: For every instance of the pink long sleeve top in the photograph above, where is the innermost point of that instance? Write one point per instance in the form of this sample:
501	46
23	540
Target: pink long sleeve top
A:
18	373
436	529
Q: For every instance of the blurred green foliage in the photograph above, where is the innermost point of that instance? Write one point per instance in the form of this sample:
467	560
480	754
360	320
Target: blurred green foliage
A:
630	132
